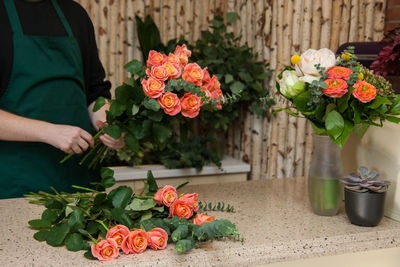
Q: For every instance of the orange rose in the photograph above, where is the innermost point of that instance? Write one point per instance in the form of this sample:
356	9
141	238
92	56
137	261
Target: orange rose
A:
155	58
339	73
135	242
158	238
174	70
153	88
172	58
206	76
191	200
118	233
166	195
170	103
183	50
336	87
181	209
213	84
193	73
364	91
105	250
217	94
190	105
158	72
201	219
208	94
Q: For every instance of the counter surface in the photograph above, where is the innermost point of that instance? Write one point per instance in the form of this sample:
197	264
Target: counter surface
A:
273	216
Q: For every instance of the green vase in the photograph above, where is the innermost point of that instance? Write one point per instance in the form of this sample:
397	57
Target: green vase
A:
324	189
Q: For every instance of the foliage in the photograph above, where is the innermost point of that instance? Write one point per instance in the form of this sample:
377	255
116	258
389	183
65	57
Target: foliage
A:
365	181
388	60
74	219
339	115
215	207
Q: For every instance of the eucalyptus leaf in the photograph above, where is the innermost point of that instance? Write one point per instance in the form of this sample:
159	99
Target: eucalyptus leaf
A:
184	245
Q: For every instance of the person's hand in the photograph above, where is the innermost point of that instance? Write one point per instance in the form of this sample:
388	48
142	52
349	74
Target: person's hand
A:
108	140
70	139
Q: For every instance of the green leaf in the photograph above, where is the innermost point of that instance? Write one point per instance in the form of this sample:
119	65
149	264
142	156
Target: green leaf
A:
57	234
360	129
113	130
74	242
38	224
348	129
50	215
153	187
106	172
180	233
301	100
357	115
245	77
237	87
343	103
146	215
41	235
395	109
228	78
88	254
141	204
184	245
100	102
379	100
217	22
231	17
393	119
76	220
134	67
120	196
55	204
329	108
132	143
181	185
334	124
123	93
152	104
135	109
159	209
116	108
100	198
161	133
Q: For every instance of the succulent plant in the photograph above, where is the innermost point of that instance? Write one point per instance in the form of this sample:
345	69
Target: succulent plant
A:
365	181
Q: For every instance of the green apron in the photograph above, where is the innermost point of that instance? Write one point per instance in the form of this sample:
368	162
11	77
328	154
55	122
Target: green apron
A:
47	84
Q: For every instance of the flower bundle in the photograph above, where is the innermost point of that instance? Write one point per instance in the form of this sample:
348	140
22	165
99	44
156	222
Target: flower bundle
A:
337	95
155	218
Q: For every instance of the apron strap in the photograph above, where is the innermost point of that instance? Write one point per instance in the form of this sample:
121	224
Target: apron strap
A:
64	21
13	17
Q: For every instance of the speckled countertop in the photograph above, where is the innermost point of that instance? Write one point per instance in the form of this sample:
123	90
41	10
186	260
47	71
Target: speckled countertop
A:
273	216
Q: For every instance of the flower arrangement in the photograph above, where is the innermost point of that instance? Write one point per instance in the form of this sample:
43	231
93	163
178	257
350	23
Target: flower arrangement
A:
337	95
123	221
167	92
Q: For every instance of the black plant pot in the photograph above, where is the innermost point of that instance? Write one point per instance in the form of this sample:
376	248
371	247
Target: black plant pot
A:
364	209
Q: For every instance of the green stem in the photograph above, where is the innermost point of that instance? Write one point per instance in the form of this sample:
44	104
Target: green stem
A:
59	195
95	160
92	238
143	197
90	152
85	188
102	224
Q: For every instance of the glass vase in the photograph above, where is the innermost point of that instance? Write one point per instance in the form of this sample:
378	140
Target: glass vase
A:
324	189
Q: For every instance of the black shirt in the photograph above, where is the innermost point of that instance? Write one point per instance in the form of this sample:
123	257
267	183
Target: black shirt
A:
40	18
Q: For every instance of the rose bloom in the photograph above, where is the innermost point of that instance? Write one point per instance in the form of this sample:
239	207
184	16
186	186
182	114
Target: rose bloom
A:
157	238
155	59
191	200
166	195
339	73
217	94
158	72
135	242
364	91
336	88
193	73
200	219
153	88
118	233
306	69
170	103
213	84
174	70
181	208
105	250
190	105
208	94
172	58
206	76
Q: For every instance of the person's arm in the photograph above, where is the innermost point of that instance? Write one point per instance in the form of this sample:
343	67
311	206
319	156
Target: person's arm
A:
98	120
69	139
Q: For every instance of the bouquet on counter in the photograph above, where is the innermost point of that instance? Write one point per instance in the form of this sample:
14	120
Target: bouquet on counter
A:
337	95
167	92
122	220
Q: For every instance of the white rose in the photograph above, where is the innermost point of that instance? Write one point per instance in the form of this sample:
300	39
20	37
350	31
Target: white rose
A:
306	67
290	85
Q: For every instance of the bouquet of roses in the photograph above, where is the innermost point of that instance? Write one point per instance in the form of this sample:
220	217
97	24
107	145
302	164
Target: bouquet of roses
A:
168	87
337	95
122	220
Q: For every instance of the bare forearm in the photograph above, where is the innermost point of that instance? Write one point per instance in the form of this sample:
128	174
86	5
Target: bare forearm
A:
17	128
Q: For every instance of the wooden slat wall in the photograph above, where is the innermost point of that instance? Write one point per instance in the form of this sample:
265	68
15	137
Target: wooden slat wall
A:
275	29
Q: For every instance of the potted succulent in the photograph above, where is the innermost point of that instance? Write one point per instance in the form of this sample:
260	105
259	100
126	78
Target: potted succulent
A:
364	197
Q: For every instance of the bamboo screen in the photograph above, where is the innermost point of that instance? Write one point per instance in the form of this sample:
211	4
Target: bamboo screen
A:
277	147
